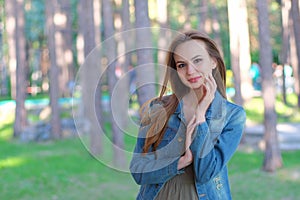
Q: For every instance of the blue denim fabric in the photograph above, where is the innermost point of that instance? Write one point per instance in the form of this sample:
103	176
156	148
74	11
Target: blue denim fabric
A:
214	143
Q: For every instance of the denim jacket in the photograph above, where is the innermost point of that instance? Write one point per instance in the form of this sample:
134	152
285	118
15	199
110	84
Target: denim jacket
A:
214	143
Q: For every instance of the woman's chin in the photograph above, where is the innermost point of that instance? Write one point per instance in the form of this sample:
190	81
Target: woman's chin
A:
197	87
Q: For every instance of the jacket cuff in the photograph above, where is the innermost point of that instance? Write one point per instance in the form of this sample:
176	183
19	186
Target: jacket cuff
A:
173	168
201	129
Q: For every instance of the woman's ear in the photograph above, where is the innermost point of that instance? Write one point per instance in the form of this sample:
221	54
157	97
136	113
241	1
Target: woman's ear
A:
213	63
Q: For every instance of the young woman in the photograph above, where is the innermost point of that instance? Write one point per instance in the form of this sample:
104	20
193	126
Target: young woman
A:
187	138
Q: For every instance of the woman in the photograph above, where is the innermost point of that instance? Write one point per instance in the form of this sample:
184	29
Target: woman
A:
187	138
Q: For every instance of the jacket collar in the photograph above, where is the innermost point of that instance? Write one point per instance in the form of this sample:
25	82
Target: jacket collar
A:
216	110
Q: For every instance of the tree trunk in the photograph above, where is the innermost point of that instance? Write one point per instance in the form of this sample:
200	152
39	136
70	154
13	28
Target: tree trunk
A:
68	74
145	65
22	70
111	49
10	30
296	23
245	58
240	49
234	49
91	90
54	71
187	15
162	42
125	61
3	71
97	21
285	11
216	25
272	159
202	16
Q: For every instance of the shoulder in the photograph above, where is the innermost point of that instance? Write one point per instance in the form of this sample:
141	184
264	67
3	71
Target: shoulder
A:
152	109
235	110
159	101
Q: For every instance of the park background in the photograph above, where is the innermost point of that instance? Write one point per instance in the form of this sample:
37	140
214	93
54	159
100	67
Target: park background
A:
50	143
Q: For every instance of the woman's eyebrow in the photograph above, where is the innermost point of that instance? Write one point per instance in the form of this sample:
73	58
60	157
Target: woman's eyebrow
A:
179	61
195	57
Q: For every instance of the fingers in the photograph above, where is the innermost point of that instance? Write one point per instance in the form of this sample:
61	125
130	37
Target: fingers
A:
210	87
192	121
210	84
209	90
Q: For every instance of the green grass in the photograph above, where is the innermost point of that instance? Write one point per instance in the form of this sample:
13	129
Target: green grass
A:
285	113
249	182
57	170
64	170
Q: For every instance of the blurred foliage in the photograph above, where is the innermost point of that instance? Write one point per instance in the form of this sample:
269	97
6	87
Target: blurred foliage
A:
180	13
275	29
35	23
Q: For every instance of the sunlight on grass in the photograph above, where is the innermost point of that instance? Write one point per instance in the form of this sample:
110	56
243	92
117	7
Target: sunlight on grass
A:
12	162
285	113
6	129
289	175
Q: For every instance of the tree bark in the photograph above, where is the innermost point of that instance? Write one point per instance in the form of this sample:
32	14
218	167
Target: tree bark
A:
293	53
285	11
296	26
125	62
65	29
162	42
22	70
216	25
10	30
234	49
3	68
111	49
272	159
145	72
240	49
91	90
97	21
202	16
54	71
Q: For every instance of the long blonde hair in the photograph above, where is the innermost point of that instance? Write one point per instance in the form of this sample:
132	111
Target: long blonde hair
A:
158	118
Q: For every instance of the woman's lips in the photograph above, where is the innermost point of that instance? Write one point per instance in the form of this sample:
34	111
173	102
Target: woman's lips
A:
194	80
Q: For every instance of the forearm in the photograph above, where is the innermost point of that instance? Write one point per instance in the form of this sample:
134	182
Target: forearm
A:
153	171
212	151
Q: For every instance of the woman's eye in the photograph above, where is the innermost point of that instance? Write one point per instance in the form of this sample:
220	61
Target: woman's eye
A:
198	60
180	65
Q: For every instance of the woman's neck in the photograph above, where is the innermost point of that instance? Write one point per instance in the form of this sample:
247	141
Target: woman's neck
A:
193	97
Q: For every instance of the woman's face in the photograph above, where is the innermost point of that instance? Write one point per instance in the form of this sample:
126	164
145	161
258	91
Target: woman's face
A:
193	63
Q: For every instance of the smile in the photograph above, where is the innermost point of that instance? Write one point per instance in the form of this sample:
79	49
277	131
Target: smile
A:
194	80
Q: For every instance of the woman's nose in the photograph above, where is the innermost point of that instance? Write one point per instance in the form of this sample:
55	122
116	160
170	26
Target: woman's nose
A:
190	69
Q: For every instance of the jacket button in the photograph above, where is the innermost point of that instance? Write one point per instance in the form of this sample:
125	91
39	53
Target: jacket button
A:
179	139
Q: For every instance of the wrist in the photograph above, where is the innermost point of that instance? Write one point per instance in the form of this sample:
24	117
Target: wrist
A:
200	120
185	160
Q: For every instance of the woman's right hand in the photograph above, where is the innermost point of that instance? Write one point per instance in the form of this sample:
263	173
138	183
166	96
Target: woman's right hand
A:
187	158
209	89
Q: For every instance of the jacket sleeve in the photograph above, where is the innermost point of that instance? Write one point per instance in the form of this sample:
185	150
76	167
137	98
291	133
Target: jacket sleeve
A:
152	168
211	155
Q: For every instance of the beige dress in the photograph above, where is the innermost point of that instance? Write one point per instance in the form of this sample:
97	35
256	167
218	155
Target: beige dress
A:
180	187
